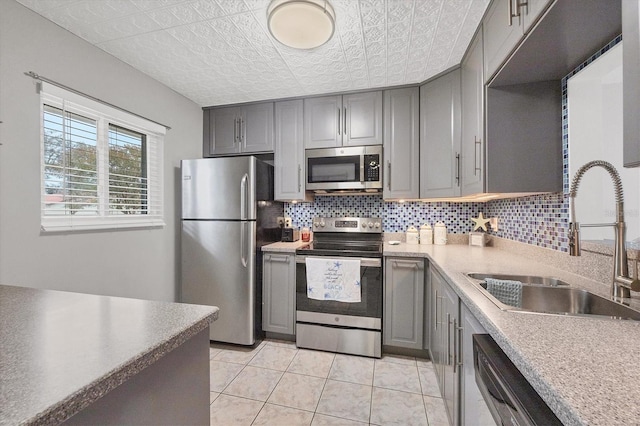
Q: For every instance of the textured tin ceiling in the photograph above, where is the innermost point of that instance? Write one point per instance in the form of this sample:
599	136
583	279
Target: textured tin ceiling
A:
219	52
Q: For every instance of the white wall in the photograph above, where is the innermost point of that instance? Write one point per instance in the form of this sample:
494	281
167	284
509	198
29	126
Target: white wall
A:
132	263
595	133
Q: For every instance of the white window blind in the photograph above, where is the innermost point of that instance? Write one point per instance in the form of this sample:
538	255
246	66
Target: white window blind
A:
101	167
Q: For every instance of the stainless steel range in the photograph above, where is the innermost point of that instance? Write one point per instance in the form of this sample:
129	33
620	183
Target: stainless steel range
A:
326	318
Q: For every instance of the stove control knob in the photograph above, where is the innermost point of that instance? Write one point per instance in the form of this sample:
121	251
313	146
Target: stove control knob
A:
322	224
316	224
377	225
370	224
364	225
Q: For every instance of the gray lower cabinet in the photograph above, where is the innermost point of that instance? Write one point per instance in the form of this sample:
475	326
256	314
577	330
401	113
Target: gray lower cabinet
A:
630	72
451	327
443	338
343	120
473	409
404	303
401	175
279	293
440	137
289	164
238	129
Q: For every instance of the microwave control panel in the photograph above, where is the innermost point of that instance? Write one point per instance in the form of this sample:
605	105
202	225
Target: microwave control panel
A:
372	168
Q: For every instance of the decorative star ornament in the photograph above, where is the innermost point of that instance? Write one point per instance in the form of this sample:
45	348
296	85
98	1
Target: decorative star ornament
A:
480	222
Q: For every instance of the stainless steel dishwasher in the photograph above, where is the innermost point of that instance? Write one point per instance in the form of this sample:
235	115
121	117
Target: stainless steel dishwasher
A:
509	396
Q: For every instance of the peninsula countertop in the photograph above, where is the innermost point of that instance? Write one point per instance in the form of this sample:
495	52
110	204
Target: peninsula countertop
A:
62	351
584	368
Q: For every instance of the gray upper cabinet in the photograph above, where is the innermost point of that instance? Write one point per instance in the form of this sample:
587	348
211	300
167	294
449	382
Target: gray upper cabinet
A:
501	33
224	134
279	293
401	175
343	120
404	303
289	164
630	72
440	137
257	127
503	28
239	129
472	92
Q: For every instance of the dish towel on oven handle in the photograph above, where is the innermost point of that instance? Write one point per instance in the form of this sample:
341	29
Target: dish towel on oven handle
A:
333	279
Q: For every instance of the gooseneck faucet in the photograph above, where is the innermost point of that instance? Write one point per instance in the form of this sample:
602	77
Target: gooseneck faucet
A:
622	283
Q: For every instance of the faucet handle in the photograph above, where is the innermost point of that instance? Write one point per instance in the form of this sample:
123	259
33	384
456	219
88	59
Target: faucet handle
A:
632	284
574	239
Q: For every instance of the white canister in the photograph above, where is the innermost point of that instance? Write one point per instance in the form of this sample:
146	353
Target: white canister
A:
426	234
412	235
440	234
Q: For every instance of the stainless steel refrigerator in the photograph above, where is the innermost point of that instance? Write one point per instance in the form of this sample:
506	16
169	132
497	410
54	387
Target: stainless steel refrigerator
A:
228	213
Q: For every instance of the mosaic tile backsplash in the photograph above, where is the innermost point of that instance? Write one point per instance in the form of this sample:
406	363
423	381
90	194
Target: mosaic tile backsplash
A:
541	220
396	217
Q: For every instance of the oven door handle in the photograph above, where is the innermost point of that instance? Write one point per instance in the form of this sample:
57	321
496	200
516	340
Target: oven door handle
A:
364	261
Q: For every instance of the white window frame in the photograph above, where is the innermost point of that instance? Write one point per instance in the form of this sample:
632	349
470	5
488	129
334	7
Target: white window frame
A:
105	115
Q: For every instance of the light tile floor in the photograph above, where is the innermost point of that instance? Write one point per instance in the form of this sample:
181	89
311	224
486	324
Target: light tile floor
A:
276	383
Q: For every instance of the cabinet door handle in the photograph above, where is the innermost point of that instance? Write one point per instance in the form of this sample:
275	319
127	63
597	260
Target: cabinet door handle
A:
339	123
477	164
243	130
435	316
344	120
457	168
235	130
457	346
299	171
281	258
511	14
448	339
408	264
389	173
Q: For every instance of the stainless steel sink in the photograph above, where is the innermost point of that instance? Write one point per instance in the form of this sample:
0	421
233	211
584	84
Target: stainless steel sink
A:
559	299
525	279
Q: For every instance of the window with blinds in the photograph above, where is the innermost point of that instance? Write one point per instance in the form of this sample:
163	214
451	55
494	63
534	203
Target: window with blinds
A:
101	167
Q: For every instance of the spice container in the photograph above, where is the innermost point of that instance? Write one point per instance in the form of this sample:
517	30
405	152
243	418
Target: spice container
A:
306	235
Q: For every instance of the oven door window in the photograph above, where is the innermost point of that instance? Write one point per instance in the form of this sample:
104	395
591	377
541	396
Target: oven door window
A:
371	296
334	169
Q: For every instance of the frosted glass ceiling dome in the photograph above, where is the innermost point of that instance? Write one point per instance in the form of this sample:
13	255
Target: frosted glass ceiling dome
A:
301	24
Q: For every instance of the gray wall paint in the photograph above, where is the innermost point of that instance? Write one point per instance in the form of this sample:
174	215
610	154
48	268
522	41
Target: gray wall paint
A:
131	263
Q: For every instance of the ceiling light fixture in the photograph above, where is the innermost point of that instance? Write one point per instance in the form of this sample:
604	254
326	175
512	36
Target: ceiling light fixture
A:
301	24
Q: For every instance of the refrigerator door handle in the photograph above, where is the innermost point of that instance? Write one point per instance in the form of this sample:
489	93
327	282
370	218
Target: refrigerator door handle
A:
244	195
243	243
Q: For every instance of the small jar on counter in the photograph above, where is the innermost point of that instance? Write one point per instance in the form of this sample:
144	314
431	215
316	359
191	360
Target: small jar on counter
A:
426	234
306	235
412	235
440	234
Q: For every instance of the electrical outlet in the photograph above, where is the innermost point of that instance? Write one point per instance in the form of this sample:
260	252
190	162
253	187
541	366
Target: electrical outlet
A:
281	221
287	222
493	222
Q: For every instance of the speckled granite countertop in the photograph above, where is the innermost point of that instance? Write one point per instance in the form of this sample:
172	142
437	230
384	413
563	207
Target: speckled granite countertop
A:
584	368
285	247
61	351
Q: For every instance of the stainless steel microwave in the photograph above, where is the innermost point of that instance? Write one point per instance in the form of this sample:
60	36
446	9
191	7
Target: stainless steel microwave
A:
344	169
